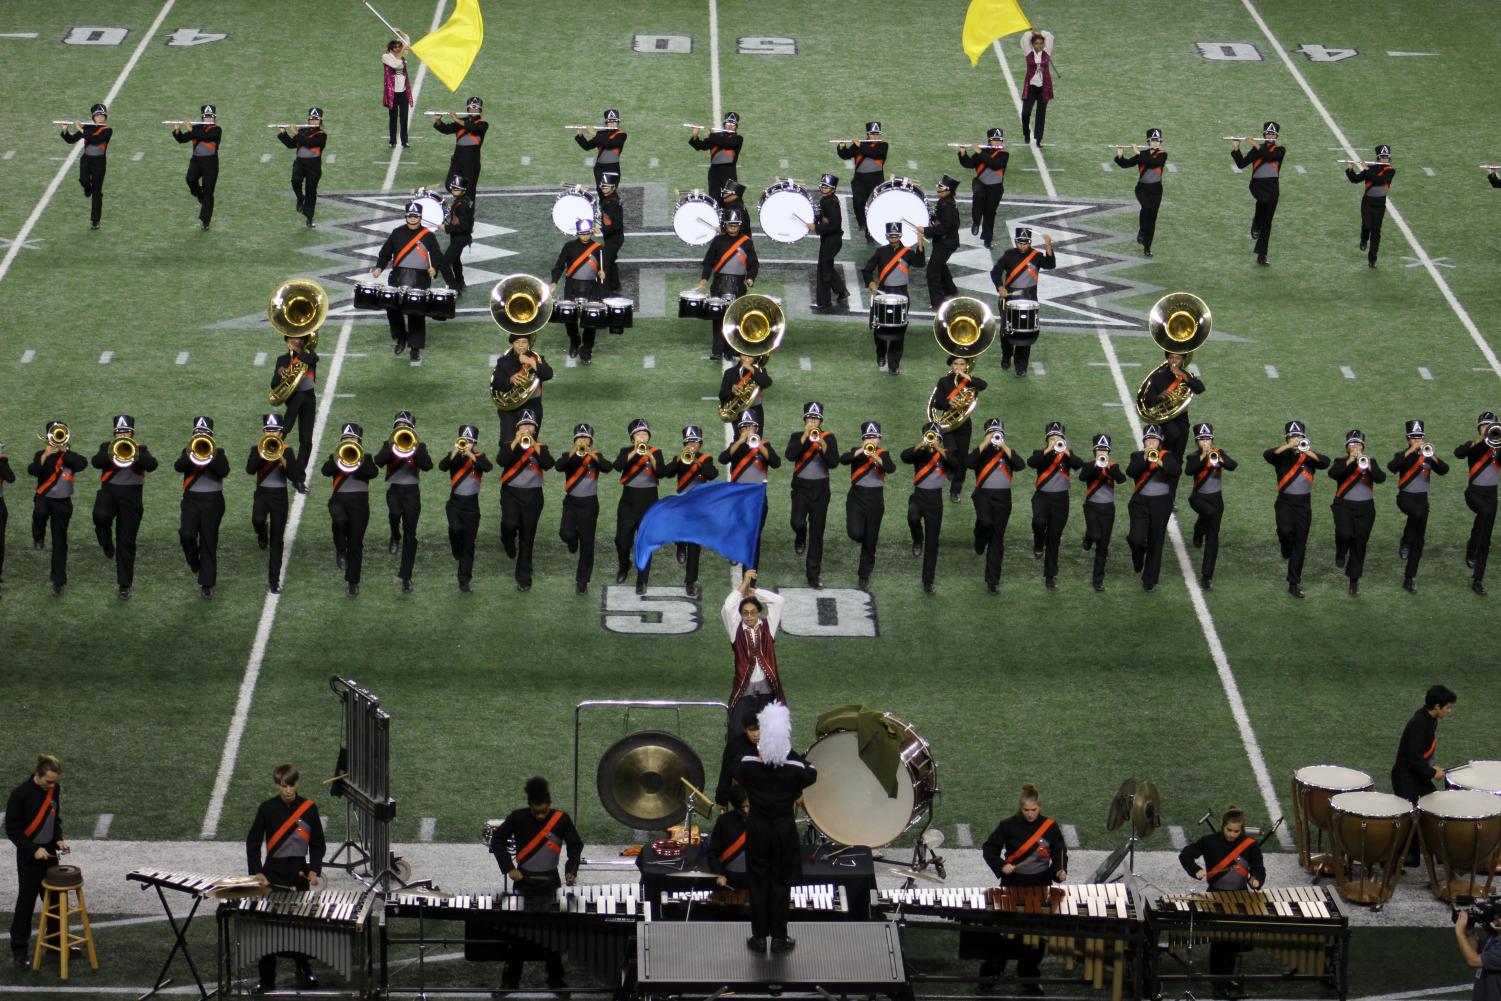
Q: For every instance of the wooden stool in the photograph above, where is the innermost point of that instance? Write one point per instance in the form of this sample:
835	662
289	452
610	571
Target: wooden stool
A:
58	886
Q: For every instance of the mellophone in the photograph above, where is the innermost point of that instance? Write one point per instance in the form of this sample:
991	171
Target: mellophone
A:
331	926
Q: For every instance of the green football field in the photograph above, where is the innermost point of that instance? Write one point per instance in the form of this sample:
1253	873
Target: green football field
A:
170	711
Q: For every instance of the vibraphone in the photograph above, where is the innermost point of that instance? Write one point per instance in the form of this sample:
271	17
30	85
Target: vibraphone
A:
810	900
328	925
1299	926
198	886
1096	929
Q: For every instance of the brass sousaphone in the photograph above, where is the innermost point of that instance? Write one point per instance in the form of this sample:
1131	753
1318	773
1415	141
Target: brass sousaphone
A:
754	325
521	305
297	308
965	327
1180	323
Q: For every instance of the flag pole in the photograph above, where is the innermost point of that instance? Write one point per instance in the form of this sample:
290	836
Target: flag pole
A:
388	24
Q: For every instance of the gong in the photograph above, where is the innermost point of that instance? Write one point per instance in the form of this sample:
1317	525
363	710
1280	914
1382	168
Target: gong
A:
640	779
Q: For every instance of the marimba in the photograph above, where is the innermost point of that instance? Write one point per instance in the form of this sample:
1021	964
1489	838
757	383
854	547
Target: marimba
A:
331	926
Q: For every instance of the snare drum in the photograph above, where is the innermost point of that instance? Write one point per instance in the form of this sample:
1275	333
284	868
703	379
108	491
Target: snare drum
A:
564	311
621	312
897	200
596	315
1312	788
1021	320
573	203
887	309
389	297
786	210
1370	831
414	301
1461	831
849	805
717	304
432	208
367	296
696	219
693	305
442	303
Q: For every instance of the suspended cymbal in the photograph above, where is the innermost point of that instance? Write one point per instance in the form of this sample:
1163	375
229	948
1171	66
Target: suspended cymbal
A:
640	779
1146	810
905	873
1120	804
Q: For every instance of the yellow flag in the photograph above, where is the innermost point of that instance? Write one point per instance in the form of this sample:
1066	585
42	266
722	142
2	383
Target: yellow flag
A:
450	51
988	20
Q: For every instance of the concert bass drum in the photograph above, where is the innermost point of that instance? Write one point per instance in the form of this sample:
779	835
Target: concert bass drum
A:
849	805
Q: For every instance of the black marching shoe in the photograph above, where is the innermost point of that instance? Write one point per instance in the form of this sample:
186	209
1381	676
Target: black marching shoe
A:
399	346
755	944
1479	588
928	590
465	587
339	560
1370	264
416	357
124	594
1036	552
353	590
1362	245
974	230
581	587
917	549
523	585
1261	259
207	592
273	588
1099	586
682	555
993	588
1051	583
1005	363
1087	542
393	546
1198	541
620	576
1295	590
1145	253
1339	561
1206	584
799	547
692	590
1469	560
980	546
1409	585
261	540
863	583
815	583
640	587
1354	588
783	944
406	585
1148	587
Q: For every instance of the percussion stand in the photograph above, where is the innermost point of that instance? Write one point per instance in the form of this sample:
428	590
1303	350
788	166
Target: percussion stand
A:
357	857
179	933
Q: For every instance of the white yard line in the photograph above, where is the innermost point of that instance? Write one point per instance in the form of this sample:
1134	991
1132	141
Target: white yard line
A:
416	93
714	95
1391	209
76	148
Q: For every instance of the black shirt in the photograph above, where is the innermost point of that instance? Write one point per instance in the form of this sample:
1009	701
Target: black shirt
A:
460	221
306	137
1413	769
944	231
144	462
1008	837
424	255
520	828
508	364
1001	276
387	459
720	246
774	790
270	816
737	747
913	258
830	219
21	809
1212	849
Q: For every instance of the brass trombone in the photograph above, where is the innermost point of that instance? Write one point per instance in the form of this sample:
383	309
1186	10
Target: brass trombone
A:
1180	323
271	447
349	455
124	451
201	449
57	437
404	442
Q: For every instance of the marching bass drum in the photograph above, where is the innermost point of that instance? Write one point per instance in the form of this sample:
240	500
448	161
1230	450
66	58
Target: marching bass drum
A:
849	805
786	210
573	203
432	208
696	219
897	200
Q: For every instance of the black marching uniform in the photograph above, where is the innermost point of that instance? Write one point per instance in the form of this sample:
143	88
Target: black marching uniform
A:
465	476
459	225
728	855
301	412
736	747
1037	850
957	440
581	508
521	502
404	499
612	232
1484	463
535	847
1225	872
410	253
1099	512
742	465
811	462
865	504
294	850
944	236
1412	772
724	154
1354	508
1175	431
506	366
1294	509
1150	507
349	509
203	166
988	188
737	375
33	819
608	143
639	475
1207	500
729	263
581	267
52	504
118	508
307	165
268	510
925	506
7	475
828	225
1414	473
469	137
1150	164
1377	178
202	510
771	837
890	270
994	469
1017	272
689	475
91	165
1050	504
869	156
1265	161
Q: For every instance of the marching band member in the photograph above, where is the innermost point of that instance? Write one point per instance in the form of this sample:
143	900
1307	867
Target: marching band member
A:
7	475
889	270
202	508
268	509
415	258
203	165
1354	506
989	186
1163	382
117	506
34	824
1378	184
727	854
1016	274
641	466
1100	478
581	466
1037	84
522	461
828	223
54	466
994	463
466	466
293	834
953	382
528	846
403	494
732	196
732	264
459	225
468	131
865	504
1206	468
349	504
869	156
692	466
1225	860
746	460
751	618
736	746
612	229
1484	461
1294	462
307	165
1050	498
1493	178
91	165
1414	466
944	232
1265	161
581	265
749	371
1025	849
1151	505
302	405
1149	164
724	146
517	367
608	143
932	463
812	452
1413	773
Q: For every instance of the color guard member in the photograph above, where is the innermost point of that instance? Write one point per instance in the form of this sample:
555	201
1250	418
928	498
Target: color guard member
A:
581	265
641	466
1484	461
1206	468
268	509
1015	275
944	232
691	467
724	146
403	492
1415	466
932	463
865	504
1226	860
1037	81
1025	849
611	230
889	270
307	165
1150	164
1053	463
349	504
953	382
1155	478
1354	506
1294	462
468	131
1413	772
33	822
989	186
812	452
1161	383
117	507
869	156
1265	161
518	367
1100	478
202	507
292	831
581	466
732	265
203	165
522	461
528	846
1377	178
459	225
466	466
302	405
415	259
749	371
751	618
608	143
828	224
994	463
747	458
91	166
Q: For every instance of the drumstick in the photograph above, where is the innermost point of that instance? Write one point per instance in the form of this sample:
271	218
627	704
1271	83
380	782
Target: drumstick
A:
336	778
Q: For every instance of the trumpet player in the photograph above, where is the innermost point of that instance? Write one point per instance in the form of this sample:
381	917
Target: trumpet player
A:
54	467
1415	466
865	504
581	466
270	462
1377	178
412	252
747	458
995	464
812	452
1155	472
95	138
203	165
117	506
307	142
869	158
1354	506
749	373
607	142
989	186
404	458
351	468
518	367
691	466
1483	457
1016	275
641	468
302	405
1100	478
1162	383
203	466
731	265
889	270
957	380
1150	164
468	131
1054	463
1206	468
522	461
723	145
581	265
932	463
1265	160
466	466
1294	462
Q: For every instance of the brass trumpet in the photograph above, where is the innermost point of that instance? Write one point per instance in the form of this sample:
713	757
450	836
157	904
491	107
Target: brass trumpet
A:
1102	462
461	446
871	448
1061	445
1216	457
1427	450
201	449
931	439
1363	463
1304	444
271	447
753	442
1152	455
997	440
526	441
582	449
404	442
815	435
124	451
349	455
685	456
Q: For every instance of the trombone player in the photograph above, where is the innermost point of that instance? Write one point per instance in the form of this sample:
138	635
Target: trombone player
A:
1414	466
1155	472
404	458
1294	462
1483	457
351	469
466	466
117	506
270	461
203	466
1354	506
54	467
1206	468
931	464
581	466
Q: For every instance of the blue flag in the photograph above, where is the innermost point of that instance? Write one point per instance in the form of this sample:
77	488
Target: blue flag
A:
724	517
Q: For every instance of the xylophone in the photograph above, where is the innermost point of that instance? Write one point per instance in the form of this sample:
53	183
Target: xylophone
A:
1095	928
198	886
812	899
1299	926
328	925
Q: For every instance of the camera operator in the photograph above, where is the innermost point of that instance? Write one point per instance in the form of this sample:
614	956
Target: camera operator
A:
1487	960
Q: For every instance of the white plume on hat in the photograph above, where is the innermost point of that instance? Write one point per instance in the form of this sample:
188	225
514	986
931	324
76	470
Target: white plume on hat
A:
776	734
